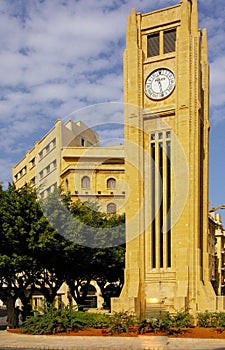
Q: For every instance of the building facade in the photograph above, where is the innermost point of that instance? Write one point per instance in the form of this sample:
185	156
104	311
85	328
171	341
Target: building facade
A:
217	251
166	146
97	175
41	165
70	156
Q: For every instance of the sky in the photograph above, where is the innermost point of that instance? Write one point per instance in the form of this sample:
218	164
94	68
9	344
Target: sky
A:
61	56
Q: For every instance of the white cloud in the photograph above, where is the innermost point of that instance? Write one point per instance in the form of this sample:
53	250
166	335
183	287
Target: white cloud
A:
217	75
59	56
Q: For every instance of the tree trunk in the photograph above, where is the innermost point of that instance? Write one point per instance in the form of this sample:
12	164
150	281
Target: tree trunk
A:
12	315
76	293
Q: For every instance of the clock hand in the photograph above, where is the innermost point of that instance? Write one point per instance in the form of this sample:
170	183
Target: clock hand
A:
160	85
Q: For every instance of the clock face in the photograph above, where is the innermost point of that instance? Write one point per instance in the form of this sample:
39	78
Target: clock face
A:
159	84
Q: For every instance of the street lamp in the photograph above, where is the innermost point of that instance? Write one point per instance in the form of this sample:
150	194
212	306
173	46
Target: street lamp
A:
222	206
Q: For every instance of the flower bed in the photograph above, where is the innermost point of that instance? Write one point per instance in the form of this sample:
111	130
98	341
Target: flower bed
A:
69	321
196	332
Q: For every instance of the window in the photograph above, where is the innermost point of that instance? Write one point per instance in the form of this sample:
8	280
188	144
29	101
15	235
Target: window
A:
111	183
32	181
54	163
82	142
153	45
168	134
53	143
111	208
169	40
85	182
48	169
47	148
41	174
32	163
41	155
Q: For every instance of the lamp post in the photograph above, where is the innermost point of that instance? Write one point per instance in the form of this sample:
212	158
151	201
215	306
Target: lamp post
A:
213	209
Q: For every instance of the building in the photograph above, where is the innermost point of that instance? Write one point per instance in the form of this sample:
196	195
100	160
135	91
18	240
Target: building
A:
41	165
166	89
70	156
95	174
217	250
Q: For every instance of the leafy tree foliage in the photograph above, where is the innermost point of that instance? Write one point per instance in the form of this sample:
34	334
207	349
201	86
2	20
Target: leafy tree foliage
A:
19	230
95	246
44	243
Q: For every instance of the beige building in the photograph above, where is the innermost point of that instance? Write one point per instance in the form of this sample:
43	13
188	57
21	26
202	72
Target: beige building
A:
217	250
166	89
69	155
95	174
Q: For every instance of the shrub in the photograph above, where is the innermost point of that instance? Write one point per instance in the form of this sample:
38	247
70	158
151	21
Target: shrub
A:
211	319
122	322
94	320
65	319
182	319
170	322
152	324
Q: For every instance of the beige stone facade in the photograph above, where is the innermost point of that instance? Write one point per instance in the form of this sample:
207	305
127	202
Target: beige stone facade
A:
96	174
41	165
70	156
217	250
166	150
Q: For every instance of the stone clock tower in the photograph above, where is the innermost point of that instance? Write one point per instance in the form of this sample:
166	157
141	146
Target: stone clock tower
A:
166	92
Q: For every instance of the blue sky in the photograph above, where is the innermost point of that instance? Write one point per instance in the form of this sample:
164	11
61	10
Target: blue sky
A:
64	55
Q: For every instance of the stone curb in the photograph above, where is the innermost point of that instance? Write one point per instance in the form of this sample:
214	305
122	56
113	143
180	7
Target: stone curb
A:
12	340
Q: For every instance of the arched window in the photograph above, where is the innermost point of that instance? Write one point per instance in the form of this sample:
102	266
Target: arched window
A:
85	182
111	208
111	183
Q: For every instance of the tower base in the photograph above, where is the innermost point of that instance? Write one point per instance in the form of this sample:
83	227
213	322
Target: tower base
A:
166	295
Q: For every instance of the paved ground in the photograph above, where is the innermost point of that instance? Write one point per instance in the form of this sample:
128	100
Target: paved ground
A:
22	341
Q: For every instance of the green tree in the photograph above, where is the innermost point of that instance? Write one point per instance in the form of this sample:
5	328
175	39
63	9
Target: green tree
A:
44	243
94	247
101	250
22	227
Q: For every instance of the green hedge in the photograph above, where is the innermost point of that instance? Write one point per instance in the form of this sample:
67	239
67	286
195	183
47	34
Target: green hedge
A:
67	319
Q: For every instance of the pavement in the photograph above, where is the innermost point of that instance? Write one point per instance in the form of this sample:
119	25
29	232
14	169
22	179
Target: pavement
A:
15	341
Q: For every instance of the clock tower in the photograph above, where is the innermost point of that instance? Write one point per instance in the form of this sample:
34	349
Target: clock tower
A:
166	93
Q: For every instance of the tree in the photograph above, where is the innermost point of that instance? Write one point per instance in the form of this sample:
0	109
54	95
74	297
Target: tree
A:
109	270
101	250
44	243
21	225
94	246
